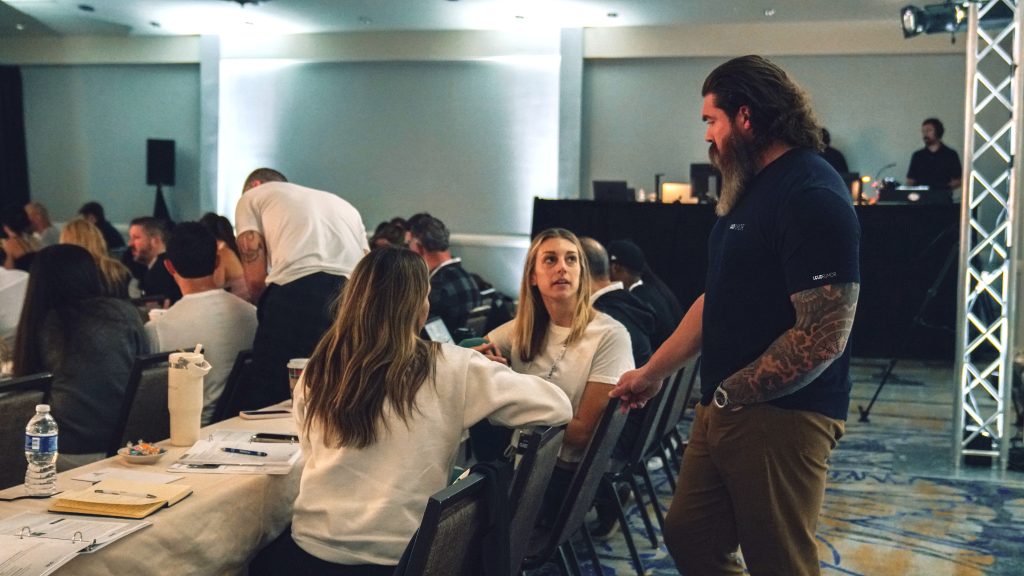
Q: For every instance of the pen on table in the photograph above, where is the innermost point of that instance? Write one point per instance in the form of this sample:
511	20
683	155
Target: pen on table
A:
245	452
123	493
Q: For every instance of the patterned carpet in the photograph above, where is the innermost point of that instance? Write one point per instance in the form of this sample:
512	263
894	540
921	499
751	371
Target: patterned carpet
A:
894	503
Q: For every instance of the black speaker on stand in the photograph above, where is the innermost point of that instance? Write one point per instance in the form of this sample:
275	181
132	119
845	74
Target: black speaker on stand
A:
160	172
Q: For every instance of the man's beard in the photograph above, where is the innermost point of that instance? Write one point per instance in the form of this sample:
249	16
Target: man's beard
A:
738	166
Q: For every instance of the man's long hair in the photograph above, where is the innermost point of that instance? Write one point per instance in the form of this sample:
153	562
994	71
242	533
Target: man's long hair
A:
780	111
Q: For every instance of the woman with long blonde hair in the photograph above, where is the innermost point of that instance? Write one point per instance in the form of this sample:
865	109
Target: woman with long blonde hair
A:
381	414
114	276
557	335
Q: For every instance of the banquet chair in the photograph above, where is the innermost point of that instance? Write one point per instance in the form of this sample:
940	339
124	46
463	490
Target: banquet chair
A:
229	403
538	451
144	414
547	541
450	538
18	399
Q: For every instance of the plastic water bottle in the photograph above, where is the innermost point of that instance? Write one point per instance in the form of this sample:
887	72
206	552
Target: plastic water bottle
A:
41	453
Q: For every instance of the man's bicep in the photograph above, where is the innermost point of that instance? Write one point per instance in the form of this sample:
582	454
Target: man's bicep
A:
825	314
251	247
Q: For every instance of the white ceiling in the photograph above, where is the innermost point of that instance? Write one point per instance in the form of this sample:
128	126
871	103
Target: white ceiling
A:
189	17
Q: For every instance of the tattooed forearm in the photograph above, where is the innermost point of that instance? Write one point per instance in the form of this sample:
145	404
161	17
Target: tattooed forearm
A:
824	318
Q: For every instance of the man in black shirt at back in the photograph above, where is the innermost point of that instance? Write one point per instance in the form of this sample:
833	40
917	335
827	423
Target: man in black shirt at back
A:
936	165
772	325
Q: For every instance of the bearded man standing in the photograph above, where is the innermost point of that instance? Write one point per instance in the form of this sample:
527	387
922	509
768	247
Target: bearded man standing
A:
773	326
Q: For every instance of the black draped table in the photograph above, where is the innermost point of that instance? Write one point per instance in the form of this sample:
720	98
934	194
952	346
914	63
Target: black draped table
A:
903	249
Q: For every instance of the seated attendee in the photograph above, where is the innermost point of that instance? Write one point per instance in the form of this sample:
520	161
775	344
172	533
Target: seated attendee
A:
229	273
834	157
453	293
147	237
558	336
89	342
613	299
114	276
380	415
93	212
629	266
19	245
388	234
42	228
12	295
224	324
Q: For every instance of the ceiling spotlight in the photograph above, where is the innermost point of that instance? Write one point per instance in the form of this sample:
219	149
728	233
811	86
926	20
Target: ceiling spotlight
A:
613	14
154	24
242	3
365	20
86	8
769	12
933	19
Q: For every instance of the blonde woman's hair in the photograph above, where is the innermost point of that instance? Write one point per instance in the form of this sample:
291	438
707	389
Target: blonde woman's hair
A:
530	326
372	354
113	274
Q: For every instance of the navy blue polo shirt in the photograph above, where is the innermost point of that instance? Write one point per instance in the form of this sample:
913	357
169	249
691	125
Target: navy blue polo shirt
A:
794	230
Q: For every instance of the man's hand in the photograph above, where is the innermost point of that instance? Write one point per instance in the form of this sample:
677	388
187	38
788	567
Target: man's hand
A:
635	388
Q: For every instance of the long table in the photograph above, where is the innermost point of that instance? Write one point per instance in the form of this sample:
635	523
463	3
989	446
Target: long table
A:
216	530
903	250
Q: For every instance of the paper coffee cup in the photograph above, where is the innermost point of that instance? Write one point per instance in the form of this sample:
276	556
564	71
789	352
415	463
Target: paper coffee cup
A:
295	368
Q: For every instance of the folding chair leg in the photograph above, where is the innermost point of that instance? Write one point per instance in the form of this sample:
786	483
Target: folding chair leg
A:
624	524
591	549
563	560
655	503
666	467
637	495
674	449
574	561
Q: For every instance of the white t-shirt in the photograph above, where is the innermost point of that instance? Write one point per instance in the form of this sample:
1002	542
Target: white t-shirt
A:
361	506
12	295
305	230
602	355
223	323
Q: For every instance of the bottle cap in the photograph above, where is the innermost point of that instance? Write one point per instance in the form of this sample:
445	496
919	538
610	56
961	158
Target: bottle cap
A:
42	407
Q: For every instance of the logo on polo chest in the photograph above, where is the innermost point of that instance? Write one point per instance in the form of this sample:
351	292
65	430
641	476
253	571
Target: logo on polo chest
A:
738	227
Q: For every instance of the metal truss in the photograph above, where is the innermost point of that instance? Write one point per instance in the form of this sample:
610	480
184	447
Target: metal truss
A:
988	226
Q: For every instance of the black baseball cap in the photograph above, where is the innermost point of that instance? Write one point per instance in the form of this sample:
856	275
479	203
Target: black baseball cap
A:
627	254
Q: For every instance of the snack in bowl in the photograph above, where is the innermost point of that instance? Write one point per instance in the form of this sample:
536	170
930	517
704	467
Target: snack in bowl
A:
141	453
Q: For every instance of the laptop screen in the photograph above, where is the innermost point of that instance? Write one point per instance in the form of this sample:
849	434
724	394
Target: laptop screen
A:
437	331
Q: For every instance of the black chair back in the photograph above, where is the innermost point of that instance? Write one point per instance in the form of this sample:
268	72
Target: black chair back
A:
539	451
583	486
450	537
144	412
649	433
229	403
675	404
18	399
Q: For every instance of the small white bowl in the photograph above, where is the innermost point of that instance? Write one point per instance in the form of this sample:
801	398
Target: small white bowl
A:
144	459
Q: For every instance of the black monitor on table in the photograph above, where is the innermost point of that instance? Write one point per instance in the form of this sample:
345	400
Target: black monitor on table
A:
915	195
613	191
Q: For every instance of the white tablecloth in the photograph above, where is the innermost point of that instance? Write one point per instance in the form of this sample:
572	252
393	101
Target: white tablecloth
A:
216	530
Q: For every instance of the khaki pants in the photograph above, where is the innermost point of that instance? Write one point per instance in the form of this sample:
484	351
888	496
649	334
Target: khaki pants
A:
755	479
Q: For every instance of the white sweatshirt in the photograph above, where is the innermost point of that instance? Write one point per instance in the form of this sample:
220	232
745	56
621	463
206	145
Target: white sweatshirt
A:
362	506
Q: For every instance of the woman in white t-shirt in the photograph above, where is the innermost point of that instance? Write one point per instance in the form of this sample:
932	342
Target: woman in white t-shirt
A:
558	336
381	414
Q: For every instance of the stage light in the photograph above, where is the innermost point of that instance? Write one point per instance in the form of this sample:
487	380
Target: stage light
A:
932	19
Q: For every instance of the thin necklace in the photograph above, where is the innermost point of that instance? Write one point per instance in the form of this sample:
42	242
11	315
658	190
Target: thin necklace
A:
565	345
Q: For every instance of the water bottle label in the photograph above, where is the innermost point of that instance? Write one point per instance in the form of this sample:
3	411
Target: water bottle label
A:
44	444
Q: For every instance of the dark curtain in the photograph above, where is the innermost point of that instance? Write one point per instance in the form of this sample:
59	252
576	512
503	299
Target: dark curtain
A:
13	155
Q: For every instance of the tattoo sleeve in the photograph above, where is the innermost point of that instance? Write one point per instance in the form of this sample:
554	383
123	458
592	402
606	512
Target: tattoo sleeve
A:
824	318
251	247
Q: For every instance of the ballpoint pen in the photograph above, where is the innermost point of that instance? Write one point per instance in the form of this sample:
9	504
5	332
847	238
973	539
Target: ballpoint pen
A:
123	493
244	452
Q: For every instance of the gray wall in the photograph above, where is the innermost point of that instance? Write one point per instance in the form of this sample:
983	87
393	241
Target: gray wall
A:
641	117
86	129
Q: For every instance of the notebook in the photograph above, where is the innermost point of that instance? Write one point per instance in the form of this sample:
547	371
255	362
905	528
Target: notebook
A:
120	498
